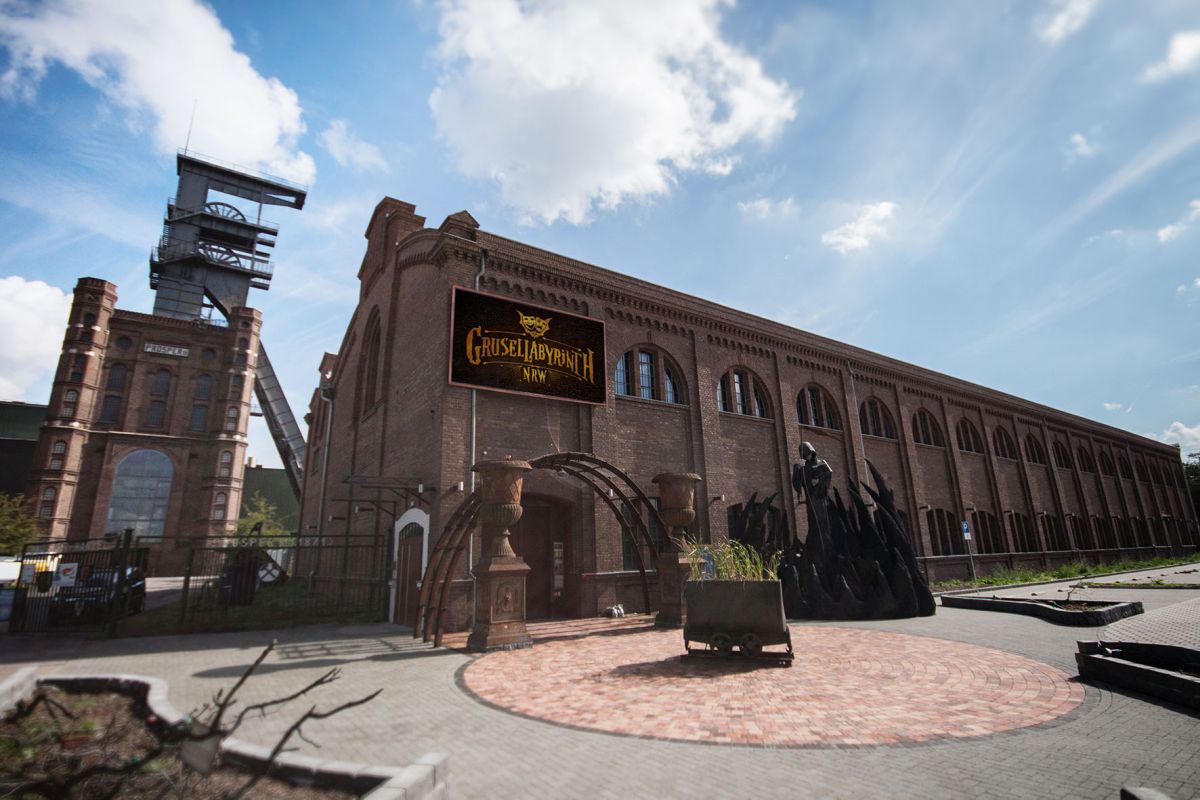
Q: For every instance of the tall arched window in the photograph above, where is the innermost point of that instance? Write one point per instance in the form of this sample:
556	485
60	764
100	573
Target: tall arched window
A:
70	403
200	397
237	386
876	420
1123	463
815	407
944	533
78	363
368	375
231	419
1062	456
648	373
1140	466
161	386
1004	444
740	392
140	493
116	378
1084	539
1023	536
220	506
1085	460
46	508
1055	533
1034	452
226	467
989	538
58	455
926	429
1106	464
968	437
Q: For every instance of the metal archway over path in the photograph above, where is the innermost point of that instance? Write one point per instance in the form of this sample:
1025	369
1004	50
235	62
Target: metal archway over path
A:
609	483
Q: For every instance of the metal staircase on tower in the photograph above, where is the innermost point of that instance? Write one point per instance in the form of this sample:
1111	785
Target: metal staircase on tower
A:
212	253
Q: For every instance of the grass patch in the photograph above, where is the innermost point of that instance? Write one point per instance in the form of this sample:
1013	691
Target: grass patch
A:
1076	569
283	606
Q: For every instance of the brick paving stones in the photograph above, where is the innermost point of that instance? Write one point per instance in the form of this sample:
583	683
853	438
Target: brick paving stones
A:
847	687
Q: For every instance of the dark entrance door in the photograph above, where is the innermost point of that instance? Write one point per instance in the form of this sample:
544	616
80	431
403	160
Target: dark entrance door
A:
541	538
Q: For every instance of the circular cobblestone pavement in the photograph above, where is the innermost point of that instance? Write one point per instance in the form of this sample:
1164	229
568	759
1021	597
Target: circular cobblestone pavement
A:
847	686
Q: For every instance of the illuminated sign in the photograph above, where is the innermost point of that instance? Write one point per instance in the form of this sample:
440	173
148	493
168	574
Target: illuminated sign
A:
499	344
166	350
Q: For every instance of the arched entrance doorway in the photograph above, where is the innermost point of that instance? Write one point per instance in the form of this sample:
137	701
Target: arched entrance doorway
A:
543	538
410	553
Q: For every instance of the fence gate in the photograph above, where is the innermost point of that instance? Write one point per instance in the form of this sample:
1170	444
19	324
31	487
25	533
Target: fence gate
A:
73	585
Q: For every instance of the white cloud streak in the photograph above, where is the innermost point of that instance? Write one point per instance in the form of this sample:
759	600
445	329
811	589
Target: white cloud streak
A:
1183	56
1187	436
161	58
33	315
1114	406
573	107
764	208
1066	18
1177	228
350	151
859	234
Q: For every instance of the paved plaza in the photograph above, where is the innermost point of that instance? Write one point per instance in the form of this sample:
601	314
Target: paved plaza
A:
981	704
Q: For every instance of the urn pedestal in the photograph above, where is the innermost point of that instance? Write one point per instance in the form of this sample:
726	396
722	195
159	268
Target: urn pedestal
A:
500	573
677	495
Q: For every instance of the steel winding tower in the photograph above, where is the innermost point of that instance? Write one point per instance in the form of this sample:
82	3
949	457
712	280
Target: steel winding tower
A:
210	256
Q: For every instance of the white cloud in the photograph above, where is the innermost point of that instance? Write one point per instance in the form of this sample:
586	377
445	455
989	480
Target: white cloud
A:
1080	147
348	150
764	208
33	316
1185	289
1178	433
1065	19
1114	406
1169	232
870	225
1183	55
570	107
1114	233
159	57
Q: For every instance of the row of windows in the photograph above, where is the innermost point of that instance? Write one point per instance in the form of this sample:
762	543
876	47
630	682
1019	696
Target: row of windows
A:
1102	533
58	454
160	391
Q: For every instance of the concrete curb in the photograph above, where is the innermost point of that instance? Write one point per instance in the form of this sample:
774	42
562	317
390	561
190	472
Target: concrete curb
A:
1103	661
1060	616
427	779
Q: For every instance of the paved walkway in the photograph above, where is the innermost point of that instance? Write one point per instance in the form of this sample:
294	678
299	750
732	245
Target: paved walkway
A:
1108	740
1150	598
1177	625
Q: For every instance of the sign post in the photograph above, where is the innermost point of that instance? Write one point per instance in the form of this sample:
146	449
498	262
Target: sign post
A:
966	529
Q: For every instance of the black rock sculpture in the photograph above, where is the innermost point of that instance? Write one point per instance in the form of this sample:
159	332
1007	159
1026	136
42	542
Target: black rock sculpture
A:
855	564
759	524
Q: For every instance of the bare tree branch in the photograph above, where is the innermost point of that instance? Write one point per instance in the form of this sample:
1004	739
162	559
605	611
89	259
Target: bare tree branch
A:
329	677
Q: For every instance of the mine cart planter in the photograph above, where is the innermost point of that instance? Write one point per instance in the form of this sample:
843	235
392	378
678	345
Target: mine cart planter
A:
747	615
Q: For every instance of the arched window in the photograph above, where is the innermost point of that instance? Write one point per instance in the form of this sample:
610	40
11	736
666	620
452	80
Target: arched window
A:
1062	456
926	430
140	493
220	505
231	419
200	398
816	408
1083	535
1023	536
1124	532
368	375
989	538
944	533
1106	464
1055	533
226	468
875	420
1126	472
58	454
740	392
1004	444
110	408
1085	460
1140	466
46	508
70	402
1155	474
648	373
161	386
78	362
968	437
237	386
116	378
1034	452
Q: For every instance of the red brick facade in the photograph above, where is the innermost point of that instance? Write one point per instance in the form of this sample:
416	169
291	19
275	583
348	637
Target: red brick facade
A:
129	382
1112	492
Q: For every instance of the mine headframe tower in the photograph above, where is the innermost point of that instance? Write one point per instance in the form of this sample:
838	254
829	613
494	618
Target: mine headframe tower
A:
209	257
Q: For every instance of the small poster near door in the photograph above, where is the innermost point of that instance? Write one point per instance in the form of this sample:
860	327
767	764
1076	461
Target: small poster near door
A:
65	576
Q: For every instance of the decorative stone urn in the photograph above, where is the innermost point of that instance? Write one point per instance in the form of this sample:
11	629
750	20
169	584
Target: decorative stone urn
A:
500	573
677	496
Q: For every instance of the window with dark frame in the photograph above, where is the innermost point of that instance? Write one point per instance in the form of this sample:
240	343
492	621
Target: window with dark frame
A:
70	403
1005	446
969	440
1034	452
646	373
740	392
58	455
875	420
926	430
815	408
46	509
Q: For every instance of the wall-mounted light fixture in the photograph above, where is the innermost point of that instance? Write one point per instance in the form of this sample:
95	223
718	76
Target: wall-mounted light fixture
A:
925	507
459	488
420	488
718	498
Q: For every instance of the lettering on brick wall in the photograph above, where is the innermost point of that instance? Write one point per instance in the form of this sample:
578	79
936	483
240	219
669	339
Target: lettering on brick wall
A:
518	347
166	350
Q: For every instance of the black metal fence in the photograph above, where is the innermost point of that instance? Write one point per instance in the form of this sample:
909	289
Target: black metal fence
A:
258	583
74	585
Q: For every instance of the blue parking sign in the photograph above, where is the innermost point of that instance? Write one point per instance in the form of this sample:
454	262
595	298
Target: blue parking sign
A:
966	529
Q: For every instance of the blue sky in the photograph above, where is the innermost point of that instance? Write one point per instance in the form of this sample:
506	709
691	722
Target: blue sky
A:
1007	192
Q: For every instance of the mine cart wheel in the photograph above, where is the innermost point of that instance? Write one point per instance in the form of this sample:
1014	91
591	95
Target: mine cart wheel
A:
751	645
722	643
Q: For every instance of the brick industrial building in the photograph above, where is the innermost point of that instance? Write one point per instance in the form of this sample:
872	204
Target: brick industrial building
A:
689	386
